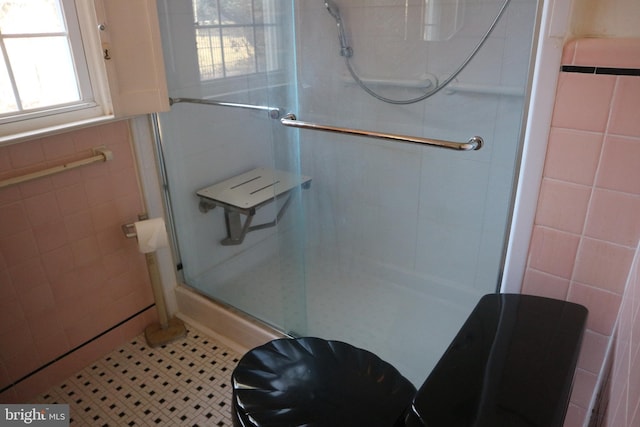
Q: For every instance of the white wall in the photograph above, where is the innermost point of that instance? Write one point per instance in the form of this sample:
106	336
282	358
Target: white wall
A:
606	18
423	212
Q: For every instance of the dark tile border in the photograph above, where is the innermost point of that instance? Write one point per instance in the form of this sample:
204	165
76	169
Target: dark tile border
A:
46	365
600	70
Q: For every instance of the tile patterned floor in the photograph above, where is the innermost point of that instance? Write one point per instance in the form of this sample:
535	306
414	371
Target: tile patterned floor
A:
185	383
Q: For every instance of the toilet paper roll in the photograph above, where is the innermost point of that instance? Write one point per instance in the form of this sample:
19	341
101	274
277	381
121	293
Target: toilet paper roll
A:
151	234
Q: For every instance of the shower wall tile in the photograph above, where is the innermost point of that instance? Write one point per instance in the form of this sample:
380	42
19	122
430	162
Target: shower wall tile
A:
503	145
561	205
445	194
27	275
65	180
594	144
209	151
35	187
619	168
594	348
603	306
71	199
583	386
573	155
625	119
59	146
544	284
516	59
450	203
592	92
599	52
576	416
19	247
603	264
553	251
25	155
489	262
625	390
14	219
454	259
613	216
67	273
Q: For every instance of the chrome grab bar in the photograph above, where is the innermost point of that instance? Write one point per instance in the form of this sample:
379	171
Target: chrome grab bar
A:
274	113
475	143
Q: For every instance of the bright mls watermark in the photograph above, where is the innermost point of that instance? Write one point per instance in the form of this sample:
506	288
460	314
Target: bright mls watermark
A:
34	415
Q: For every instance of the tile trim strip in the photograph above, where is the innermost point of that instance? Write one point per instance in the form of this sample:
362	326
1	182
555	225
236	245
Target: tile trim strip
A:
46	365
600	70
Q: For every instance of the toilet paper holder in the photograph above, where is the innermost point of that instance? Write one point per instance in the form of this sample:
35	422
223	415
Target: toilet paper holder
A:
129	230
168	328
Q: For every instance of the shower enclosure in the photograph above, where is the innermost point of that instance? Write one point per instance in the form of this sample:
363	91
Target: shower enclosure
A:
366	233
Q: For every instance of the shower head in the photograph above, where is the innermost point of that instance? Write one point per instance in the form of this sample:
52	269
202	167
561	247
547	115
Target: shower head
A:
332	8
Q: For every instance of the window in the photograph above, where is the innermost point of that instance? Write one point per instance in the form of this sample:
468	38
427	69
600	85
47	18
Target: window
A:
45	76
71	63
235	38
42	66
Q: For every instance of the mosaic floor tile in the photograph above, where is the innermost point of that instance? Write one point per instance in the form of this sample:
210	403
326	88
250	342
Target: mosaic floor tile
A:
185	383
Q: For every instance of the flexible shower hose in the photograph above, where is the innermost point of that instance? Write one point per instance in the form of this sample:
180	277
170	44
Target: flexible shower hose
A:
347	52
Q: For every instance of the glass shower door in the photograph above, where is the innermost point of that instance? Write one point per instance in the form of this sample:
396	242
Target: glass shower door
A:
391	244
402	240
239	233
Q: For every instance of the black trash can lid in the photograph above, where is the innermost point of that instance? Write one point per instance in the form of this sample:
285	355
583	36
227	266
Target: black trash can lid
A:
511	364
314	382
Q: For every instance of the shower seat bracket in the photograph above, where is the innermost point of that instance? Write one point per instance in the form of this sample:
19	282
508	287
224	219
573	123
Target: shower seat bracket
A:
244	194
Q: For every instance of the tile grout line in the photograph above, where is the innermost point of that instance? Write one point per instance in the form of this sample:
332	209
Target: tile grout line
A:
183	383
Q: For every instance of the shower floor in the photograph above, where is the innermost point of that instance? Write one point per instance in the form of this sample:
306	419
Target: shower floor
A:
334	298
185	383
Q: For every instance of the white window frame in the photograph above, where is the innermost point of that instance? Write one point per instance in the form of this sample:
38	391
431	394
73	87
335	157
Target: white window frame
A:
88	56
234	84
217	30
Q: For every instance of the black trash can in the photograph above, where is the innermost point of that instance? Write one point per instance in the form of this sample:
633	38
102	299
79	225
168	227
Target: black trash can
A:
314	382
511	364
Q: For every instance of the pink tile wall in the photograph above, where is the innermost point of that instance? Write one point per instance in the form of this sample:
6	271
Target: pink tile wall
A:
624	406
67	273
587	223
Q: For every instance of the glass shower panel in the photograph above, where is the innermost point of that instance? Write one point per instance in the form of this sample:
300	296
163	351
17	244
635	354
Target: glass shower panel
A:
403	240
237	52
392	244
